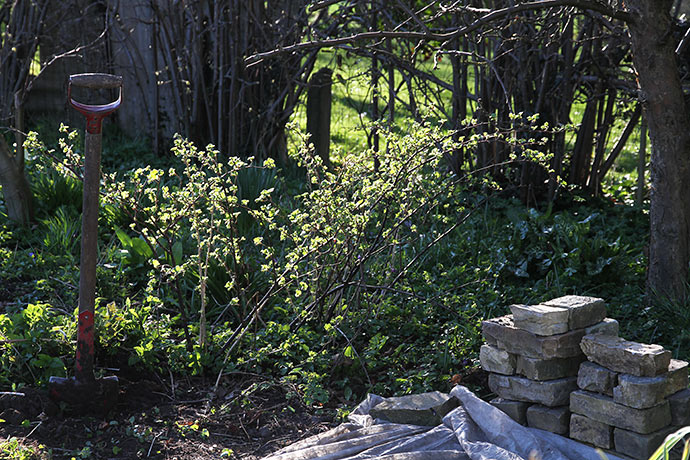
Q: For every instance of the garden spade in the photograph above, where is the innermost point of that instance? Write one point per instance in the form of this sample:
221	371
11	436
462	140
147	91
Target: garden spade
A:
84	392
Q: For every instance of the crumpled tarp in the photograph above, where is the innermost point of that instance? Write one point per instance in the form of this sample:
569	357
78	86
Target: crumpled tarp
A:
475	430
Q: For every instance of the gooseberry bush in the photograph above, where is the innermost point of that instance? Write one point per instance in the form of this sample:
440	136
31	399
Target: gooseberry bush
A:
262	278
370	276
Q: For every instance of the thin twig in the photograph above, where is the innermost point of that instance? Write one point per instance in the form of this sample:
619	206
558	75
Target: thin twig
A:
148	454
244	429
32	431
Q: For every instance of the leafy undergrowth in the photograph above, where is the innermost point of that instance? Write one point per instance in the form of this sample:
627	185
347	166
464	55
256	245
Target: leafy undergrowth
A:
329	285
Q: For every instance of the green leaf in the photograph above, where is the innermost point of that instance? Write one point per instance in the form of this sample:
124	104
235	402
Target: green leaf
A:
349	352
177	253
141	248
123	237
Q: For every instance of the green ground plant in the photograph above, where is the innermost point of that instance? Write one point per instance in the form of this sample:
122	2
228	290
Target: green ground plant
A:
14	449
336	282
32	340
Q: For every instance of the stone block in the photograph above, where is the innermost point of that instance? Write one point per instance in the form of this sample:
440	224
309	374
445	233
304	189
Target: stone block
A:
643	392
553	419
639	446
540	319
426	409
517	410
549	393
548	369
626	357
677	376
640	392
591	431
489	340
603	409
595	378
494	359
608	326
502	333
680	407
582	311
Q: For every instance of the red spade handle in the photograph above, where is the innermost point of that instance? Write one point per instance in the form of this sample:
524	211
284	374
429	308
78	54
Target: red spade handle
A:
95	113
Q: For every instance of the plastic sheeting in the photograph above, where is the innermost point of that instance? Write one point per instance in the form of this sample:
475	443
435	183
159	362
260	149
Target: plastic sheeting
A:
475	430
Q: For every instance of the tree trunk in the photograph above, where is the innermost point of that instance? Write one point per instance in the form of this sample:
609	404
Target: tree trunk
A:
319	113
641	162
662	97
15	187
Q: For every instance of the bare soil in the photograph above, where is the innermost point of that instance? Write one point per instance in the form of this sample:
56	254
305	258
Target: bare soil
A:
250	418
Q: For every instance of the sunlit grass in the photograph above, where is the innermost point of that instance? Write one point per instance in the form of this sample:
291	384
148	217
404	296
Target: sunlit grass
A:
352	111
352	107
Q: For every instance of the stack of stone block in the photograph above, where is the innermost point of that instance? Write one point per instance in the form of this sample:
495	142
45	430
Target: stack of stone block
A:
631	396
533	357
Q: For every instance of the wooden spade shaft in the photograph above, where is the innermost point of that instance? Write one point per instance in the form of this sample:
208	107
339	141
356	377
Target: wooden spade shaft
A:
89	222
84	392
89	255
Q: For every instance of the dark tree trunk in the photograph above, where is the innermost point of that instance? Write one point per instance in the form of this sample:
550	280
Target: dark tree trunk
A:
662	96
641	162
21	22
15	186
319	113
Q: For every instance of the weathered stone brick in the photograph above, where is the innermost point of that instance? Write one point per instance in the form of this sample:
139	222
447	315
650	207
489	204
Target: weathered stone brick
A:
677	376
643	392
582	311
680	407
593	377
603	409
503	333
427	409
591	431
608	326
640	392
626	357
540	319
517	410
549	393
548	369
490	340
494	359
553	419
639	446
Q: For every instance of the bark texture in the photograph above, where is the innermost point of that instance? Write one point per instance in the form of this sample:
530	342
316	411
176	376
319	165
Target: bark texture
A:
662	96
15	186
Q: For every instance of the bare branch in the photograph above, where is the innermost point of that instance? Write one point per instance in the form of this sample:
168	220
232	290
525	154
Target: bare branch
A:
488	18
323	4
71	53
